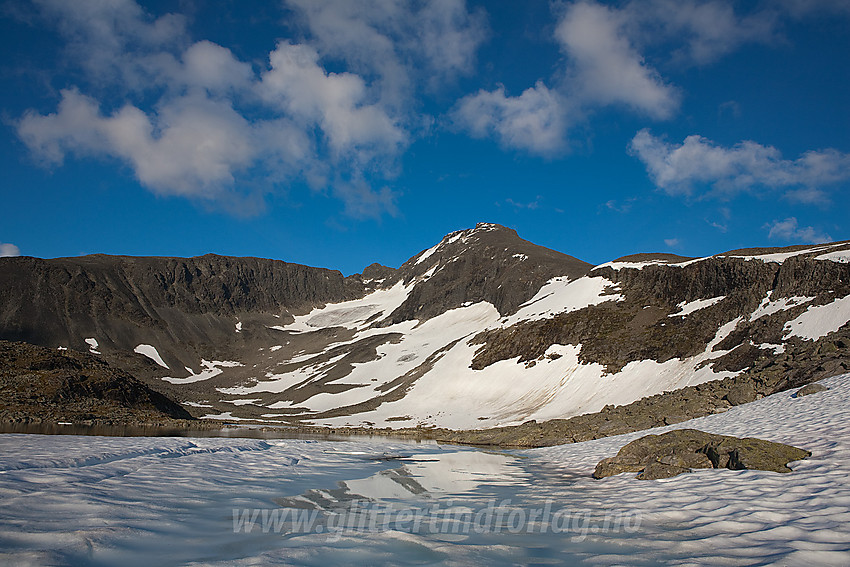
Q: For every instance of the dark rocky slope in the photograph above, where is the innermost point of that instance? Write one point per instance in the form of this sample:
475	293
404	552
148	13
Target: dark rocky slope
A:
640	327
488	263
189	303
38	384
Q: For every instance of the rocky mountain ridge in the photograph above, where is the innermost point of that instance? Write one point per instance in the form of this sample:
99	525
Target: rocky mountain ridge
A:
483	329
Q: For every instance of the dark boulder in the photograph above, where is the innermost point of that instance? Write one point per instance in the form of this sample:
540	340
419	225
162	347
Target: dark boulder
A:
810	389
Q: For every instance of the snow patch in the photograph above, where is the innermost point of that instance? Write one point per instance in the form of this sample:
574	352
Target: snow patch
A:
780	257
239	326
686	308
92	346
558	385
241	402
151	352
820	320
197	405
769	307
562	295
351	314
777	349
840	256
210	369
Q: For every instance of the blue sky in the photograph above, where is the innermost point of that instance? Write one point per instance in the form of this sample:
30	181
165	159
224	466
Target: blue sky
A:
338	133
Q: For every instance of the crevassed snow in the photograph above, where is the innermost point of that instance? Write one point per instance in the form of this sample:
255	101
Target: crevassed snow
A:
75	500
562	295
151	352
769	307
686	308
819	320
209	370
92	345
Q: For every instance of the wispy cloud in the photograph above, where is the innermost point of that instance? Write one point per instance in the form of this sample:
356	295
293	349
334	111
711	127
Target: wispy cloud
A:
8	250
672	242
530	205
605	66
789	230
700	167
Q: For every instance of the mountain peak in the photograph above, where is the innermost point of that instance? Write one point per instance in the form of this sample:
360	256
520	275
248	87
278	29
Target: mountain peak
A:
487	263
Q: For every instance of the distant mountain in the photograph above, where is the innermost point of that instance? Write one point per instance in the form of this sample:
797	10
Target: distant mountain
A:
482	329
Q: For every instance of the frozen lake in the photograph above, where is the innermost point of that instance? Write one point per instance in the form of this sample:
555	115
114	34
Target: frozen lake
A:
84	500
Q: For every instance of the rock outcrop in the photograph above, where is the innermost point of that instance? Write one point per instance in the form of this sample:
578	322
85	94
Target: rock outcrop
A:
487	263
39	385
680	451
810	389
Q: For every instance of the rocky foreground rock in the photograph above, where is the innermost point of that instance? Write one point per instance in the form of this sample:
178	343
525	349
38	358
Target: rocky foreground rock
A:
41	385
680	451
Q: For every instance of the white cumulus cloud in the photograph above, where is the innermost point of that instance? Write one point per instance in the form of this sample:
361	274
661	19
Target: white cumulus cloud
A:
699	165
335	101
192	146
216	128
535	120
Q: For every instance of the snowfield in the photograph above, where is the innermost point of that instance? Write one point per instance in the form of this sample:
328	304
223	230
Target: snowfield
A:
72	500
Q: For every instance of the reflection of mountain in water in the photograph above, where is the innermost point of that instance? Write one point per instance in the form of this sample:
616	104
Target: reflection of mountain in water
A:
421	476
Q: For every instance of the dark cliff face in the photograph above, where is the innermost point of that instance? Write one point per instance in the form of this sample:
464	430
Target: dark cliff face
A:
488	263
125	301
642	325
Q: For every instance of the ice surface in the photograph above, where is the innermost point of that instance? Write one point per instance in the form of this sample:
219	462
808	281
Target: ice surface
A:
71	500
